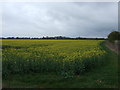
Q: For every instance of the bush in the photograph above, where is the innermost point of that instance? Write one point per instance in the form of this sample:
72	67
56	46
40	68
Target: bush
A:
115	35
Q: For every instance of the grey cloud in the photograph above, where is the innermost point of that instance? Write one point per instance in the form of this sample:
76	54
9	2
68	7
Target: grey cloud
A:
66	19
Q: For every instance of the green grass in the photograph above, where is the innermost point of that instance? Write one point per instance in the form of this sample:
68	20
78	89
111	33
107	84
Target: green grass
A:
105	76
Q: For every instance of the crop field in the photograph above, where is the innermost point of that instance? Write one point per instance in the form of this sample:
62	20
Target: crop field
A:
58	63
64	57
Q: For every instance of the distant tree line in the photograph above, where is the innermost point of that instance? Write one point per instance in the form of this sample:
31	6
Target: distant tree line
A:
56	37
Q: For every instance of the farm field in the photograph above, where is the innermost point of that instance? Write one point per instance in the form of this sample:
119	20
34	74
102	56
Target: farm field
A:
58	63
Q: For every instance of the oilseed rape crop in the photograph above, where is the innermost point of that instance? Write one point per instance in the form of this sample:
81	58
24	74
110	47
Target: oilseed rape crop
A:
63	57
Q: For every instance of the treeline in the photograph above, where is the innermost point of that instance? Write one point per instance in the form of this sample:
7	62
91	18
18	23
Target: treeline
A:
57	37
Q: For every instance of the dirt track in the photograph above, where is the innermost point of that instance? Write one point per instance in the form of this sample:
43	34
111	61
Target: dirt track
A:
115	47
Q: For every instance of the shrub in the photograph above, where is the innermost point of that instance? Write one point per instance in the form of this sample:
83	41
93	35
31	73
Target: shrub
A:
115	35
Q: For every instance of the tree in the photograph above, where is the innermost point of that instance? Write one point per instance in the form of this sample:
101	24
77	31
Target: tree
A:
115	35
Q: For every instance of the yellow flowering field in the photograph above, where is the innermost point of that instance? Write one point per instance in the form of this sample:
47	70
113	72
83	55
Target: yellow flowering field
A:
64	57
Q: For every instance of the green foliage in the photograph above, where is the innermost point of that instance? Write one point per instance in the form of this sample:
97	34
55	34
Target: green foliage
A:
64	57
115	35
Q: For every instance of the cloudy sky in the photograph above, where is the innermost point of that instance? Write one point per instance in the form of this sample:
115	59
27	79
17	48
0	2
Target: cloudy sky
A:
85	19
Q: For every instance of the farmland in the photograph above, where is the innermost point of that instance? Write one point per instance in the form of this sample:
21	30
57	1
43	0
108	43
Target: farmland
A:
63	58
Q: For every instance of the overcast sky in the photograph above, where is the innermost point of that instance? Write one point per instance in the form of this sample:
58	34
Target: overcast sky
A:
59	19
